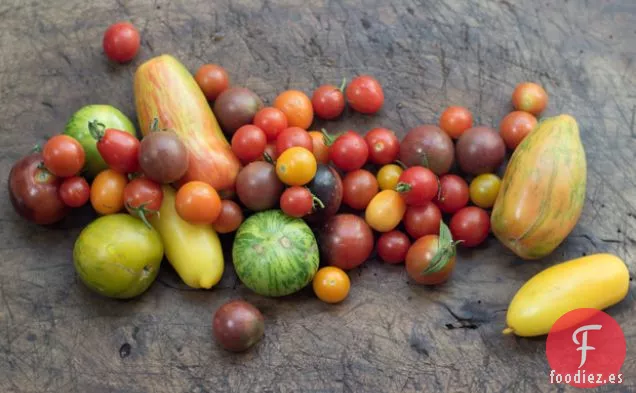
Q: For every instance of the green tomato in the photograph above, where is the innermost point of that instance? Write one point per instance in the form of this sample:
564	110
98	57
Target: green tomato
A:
77	127
484	190
118	256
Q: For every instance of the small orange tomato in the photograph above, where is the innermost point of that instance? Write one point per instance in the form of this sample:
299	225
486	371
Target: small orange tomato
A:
297	108
107	192
331	284
321	151
296	166
385	211
529	97
455	120
198	203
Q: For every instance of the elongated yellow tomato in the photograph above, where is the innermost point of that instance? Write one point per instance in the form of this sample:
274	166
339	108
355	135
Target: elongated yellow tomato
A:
595	281
543	190
193	250
385	211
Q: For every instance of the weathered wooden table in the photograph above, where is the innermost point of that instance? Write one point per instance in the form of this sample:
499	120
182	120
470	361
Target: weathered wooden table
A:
388	336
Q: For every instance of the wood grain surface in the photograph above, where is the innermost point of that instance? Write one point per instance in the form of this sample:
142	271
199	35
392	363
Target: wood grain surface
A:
389	335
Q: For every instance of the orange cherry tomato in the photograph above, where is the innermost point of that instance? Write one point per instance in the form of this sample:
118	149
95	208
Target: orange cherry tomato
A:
198	203
297	108
321	151
107	192
529	97
331	284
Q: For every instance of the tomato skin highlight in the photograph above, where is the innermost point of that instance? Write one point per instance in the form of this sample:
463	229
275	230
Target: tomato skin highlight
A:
349	151
393	246
365	94
384	146
75	191
121	42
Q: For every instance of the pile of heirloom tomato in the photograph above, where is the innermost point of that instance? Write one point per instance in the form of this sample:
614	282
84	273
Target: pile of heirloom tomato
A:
421	196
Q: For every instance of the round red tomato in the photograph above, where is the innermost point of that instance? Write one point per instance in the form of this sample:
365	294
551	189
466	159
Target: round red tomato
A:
63	156
359	187
297	201
418	186
328	101
470	225
384	146
419	260
121	42
365	94
453	193
75	191
248	143
213	80
455	120
293	136
143	197
424	220
349	151
392	246
515	127
272	121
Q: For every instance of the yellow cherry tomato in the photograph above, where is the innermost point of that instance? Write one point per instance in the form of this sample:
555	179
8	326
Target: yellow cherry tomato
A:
385	211
484	189
331	284
388	176
296	166
107	192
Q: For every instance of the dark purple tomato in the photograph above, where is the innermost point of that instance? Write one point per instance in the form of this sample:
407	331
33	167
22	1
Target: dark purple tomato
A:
346	241
34	191
258	186
163	157
236	107
238	325
326	186
480	150
430	147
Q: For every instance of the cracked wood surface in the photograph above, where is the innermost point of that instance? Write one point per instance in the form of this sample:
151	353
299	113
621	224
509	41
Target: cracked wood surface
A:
388	336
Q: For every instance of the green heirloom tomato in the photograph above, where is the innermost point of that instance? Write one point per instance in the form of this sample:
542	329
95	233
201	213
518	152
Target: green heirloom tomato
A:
77	127
118	256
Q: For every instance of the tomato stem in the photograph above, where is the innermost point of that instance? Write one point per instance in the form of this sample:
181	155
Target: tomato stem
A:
134	175
96	129
268	158
402	187
317	201
401	164
508	330
329	139
445	251
37	148
141	211
343	84
154	126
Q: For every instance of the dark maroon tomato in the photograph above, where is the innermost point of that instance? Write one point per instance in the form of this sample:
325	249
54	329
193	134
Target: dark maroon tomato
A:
163	157
328	187
119	149
349	151
258	186
417	185
328	101
359	187
430	147
236	107
238	325
453	193
34	191
480	150
384	146
470	225
392	247
75	191
297	201
291	137
346	241
420	221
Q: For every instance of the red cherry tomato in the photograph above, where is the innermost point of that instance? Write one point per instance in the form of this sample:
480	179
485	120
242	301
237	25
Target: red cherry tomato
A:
392	246
365	94
455	120
293	136
272	121
349	151
328	101
453	193
121	42
297	201
119	149
63	156
515	127
418	186
358	188
143	197
75	191
384	146
213	80
248	143
424	220
470	225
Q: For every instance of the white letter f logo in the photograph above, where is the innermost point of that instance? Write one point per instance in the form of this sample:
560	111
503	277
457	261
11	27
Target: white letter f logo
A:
584	347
